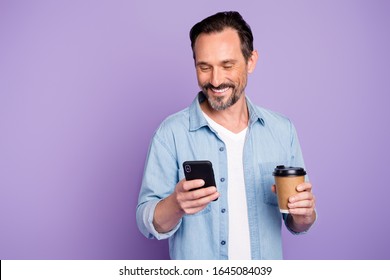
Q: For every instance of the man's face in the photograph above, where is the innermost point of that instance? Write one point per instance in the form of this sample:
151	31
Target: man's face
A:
221	68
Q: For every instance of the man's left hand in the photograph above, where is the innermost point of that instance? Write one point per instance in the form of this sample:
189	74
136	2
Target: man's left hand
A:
302	208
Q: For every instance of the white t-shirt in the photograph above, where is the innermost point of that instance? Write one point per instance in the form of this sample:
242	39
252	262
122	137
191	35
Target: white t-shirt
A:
239	240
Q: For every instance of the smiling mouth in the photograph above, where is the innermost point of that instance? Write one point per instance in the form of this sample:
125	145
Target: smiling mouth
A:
219	90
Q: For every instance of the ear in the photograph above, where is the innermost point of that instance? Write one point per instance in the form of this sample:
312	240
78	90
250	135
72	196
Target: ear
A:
252	61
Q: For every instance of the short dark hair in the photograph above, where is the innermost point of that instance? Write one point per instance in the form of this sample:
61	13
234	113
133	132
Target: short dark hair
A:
220	21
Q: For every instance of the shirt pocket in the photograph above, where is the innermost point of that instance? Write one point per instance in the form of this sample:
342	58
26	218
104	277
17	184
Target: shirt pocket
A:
267	180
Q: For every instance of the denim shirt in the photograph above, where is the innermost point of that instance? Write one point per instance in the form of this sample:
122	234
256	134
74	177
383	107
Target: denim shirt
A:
271	140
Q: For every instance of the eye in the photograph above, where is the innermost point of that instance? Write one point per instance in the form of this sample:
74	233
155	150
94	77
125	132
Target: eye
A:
228	66
204	68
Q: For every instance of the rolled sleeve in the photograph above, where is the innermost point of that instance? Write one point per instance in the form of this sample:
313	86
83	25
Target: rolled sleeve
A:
145	214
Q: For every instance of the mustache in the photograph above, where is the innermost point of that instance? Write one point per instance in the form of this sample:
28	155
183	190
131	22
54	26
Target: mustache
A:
221	86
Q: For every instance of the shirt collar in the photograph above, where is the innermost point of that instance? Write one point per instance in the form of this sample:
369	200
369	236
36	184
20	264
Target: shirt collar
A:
197	120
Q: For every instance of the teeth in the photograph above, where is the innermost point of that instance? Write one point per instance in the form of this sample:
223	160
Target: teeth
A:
220	90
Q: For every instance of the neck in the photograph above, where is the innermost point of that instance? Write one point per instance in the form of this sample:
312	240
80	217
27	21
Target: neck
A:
235	118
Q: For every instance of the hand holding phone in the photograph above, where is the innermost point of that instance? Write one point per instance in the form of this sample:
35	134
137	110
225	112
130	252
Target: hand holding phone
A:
200	169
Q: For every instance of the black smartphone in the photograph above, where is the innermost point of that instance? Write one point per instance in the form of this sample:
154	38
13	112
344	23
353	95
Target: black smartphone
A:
200	169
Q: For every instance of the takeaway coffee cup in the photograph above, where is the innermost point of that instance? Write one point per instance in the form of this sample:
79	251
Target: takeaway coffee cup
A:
286	181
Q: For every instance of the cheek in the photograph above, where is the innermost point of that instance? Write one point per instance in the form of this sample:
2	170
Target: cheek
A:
202	78
241	77
235	77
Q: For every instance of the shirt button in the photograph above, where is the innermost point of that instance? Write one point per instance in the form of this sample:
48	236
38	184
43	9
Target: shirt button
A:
222	179
223	210
221	149
223	242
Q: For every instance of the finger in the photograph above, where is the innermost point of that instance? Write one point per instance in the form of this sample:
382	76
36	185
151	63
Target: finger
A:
301	204
199	193
191	211
304	187
273	188
193	184
301	211
301	196
193	206
203	192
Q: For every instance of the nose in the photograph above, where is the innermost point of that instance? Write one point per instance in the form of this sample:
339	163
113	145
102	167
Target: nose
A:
215	78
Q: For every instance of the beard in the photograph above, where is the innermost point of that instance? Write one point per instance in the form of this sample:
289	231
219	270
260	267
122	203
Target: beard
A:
218	103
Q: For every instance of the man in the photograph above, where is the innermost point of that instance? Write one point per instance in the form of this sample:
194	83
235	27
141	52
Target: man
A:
244	143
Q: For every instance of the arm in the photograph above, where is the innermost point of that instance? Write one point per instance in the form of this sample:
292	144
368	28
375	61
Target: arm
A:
164	199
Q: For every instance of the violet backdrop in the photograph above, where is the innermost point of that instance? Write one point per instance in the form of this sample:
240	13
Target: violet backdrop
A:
84	84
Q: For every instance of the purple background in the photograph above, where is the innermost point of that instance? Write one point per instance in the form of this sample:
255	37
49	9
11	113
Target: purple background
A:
83	85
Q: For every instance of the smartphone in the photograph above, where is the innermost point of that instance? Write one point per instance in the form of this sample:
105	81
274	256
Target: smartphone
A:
200	169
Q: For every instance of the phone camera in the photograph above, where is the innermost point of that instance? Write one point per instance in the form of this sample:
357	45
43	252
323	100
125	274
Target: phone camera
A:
187	168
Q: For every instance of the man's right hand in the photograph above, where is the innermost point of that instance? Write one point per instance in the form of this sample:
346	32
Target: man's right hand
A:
186	199
190	199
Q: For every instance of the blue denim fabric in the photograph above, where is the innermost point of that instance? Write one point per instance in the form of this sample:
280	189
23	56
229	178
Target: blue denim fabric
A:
271	140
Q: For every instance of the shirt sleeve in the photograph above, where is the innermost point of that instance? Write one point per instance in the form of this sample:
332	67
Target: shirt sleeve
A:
145	213
159	180
296	157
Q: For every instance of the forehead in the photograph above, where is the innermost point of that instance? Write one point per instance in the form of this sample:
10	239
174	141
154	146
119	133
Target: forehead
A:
219	46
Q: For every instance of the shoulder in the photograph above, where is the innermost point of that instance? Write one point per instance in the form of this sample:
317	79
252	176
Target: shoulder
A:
173	125
275	123
178	119
270	117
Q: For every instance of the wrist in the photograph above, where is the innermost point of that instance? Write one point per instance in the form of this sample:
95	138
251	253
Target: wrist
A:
167	215
299	223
